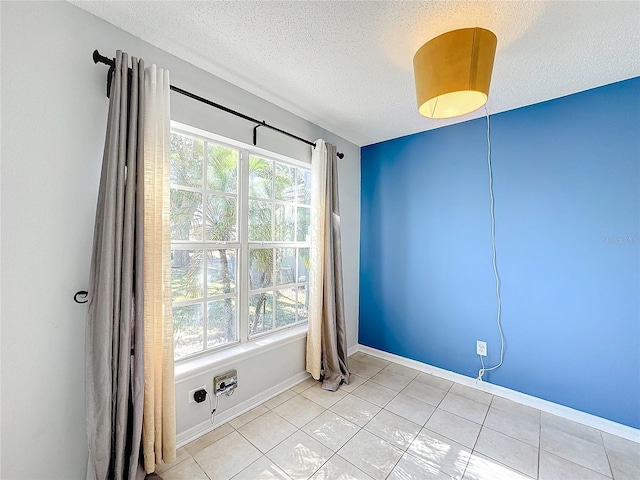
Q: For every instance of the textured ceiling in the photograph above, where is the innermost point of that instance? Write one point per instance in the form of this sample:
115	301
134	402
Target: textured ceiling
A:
347	66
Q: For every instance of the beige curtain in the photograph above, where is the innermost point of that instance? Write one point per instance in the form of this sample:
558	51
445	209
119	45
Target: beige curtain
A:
159	421
326	338
316	258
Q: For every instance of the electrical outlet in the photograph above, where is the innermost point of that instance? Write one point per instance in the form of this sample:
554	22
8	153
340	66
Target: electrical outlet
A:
481	348
191	392
225	382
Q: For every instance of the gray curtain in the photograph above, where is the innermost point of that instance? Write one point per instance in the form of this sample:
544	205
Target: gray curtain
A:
114	373
334	336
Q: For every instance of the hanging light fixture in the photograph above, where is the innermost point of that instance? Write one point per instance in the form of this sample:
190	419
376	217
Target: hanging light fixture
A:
453	72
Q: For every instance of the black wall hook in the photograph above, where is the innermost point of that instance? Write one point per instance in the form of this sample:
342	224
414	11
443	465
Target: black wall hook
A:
81	293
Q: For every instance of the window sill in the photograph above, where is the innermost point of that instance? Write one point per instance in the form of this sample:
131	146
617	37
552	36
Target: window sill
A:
198	365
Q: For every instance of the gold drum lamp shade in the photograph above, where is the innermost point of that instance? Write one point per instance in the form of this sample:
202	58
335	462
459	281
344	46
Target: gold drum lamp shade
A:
453	72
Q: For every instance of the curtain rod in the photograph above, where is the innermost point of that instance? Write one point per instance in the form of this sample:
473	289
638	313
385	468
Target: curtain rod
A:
97	58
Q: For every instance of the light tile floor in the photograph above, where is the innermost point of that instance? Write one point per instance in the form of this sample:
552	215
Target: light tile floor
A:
396	423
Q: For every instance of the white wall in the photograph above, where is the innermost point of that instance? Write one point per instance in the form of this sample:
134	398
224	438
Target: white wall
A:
53	125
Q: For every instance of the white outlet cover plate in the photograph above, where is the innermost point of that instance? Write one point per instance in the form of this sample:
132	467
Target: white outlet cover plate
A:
481	348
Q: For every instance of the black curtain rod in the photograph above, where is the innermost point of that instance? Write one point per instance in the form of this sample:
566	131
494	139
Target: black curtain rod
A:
97	58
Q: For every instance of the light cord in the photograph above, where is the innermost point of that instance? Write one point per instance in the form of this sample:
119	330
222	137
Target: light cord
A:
213	410
483	370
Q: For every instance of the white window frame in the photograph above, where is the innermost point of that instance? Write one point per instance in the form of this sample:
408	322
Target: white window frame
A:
242	244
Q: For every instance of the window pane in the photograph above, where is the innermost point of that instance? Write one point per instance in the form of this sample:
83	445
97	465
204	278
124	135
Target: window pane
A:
186	161
285	266
222	169
259	221
260	177
186	274
186	215
303	178
221	218
221	322
285	182
303	265
285	307
285	223
187	330
205	210
260	268
304	220
260	313
303	303
221	271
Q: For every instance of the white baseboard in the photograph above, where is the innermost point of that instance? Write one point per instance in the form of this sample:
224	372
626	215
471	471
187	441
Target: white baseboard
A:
352	350
197	431
594	421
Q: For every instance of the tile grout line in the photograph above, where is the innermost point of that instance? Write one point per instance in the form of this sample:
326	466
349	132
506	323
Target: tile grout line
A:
406	450
473	449
362	428
513	438
606	452
584	440
299	429
264	454
539	445
517	440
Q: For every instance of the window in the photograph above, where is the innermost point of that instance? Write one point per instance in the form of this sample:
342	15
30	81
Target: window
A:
240	243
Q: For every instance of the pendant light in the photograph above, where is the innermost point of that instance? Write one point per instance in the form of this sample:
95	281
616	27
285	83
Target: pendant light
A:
453	72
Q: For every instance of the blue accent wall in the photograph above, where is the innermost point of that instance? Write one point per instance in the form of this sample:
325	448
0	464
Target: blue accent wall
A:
567	209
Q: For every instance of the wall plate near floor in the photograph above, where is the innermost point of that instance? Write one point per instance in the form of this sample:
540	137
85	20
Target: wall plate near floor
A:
481	348
192	392
225	382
